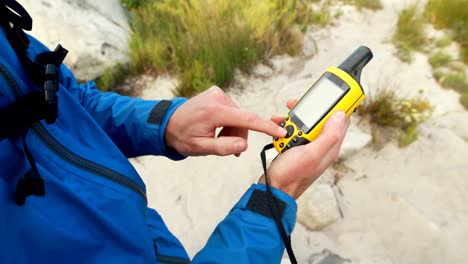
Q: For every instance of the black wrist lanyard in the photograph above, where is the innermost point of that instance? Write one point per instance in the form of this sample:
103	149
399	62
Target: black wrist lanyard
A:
274	208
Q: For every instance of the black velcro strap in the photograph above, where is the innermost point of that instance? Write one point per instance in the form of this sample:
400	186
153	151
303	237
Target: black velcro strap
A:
13	12
156	115
19	116
275	208
30	184
258	203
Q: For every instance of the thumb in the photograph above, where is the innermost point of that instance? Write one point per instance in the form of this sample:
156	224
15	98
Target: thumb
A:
223	146
330	135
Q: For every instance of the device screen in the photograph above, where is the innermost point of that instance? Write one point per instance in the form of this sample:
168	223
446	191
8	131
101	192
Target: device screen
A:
316	103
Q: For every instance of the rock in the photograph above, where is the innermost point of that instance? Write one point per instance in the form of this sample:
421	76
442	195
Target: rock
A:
318	207
327	257
355	141
94	32
374	260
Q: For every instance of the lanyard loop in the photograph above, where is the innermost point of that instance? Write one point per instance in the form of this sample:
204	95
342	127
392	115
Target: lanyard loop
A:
274	208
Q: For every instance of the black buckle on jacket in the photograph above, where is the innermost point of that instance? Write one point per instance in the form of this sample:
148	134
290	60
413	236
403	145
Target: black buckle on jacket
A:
50	93
52	61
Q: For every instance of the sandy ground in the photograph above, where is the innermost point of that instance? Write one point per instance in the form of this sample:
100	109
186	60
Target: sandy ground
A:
400	205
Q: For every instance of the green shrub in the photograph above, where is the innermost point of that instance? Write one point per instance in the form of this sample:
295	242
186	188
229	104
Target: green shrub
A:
456	81
400	116
444	41
134	3
452	14
408	136
409	35
464	100
204	42
369	4
112	78
440	59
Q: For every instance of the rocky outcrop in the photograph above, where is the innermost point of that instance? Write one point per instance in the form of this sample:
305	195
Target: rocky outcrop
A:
318	207
94	32
355	141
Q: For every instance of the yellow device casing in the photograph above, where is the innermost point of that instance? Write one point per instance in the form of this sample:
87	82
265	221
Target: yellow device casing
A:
348	103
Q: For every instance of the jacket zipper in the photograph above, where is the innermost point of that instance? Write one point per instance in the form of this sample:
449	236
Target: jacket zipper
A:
68	155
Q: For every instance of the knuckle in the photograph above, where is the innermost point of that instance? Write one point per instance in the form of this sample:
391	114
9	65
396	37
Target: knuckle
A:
334	137
217	92
197	145
220	149
210	108
334	155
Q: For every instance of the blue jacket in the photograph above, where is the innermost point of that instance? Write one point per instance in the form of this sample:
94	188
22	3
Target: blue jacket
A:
95	209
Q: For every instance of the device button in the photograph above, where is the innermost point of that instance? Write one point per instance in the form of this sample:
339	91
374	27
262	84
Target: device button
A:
302	141
286	118
288	146
281	145
276	139
282	124
299	133
290	130
295	139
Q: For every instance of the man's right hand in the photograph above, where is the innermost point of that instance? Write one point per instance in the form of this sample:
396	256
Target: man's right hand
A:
296	169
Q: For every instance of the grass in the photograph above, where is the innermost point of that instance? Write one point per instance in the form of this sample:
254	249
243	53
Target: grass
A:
445	41
392	116
453	15
440	59
368	4
409	35
204	42
456	81
317	14
464	100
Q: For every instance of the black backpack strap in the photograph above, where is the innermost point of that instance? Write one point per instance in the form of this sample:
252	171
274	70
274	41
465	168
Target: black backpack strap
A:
31	183
17	118
43	71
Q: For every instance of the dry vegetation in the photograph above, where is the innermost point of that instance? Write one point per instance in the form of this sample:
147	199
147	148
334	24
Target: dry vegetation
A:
410	36
204	42
394	117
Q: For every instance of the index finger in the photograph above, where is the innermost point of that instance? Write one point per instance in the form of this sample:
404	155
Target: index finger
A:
236	117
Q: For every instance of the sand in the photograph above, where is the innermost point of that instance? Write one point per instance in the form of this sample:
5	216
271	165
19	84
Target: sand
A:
400	205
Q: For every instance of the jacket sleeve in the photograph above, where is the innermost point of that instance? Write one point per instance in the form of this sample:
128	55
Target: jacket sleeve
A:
245	236
136	126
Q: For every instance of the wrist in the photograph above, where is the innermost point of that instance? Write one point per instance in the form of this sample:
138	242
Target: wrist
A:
288	189
170	137
168	128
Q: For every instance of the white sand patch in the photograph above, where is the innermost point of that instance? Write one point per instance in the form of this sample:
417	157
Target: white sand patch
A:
400	205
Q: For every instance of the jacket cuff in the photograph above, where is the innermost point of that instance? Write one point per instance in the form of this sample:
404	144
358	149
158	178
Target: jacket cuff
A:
157	120
288	213
168	151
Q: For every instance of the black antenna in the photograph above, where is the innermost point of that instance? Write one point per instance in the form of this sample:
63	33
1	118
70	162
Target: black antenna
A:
354	64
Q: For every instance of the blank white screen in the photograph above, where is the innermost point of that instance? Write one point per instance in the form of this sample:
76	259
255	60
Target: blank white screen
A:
314	104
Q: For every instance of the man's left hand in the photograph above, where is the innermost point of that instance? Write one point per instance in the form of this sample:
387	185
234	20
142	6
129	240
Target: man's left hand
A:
191	131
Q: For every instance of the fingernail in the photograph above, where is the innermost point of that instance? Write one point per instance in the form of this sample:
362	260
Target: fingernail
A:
238	147
282	131
340	117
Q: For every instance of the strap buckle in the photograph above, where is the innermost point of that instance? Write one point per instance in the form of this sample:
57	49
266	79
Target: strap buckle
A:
50	93
52	61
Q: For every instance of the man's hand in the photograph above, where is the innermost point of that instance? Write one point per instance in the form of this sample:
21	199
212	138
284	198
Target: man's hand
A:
191	129
296	169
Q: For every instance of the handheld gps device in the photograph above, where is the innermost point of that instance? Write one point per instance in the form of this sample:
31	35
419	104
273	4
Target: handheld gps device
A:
337	89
